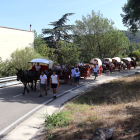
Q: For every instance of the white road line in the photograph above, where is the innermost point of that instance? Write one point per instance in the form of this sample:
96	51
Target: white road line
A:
1	100
17	95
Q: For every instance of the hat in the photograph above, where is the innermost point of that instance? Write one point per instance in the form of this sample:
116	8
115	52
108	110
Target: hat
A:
42	72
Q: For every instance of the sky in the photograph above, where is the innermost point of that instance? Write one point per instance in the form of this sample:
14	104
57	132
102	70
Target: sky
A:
39	13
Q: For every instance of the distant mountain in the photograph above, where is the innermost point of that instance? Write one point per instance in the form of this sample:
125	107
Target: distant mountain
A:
132	38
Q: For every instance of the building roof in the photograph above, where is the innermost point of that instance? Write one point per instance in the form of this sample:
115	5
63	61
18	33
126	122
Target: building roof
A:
15	29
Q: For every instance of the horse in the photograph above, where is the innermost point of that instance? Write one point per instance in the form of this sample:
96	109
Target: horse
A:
27	77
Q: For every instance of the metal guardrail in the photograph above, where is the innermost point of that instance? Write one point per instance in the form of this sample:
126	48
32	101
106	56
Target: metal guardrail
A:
8	81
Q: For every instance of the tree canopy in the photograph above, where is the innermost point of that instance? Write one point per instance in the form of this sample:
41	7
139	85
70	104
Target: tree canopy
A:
131	18
96	36
60	31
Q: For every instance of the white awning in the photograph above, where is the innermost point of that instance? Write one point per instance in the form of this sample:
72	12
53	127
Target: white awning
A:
117	58
110	60
42	60
99	61
127	58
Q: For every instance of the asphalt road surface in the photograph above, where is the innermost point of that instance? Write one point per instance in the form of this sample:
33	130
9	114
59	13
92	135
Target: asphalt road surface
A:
13	105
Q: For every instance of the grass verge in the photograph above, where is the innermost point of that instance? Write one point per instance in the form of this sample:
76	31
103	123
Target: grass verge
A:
115	105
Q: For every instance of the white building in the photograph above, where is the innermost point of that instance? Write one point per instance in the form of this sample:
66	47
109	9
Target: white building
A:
12	39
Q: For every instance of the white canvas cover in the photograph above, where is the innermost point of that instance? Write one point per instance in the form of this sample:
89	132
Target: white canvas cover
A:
99	61
127	58
42	60
110	60
117	58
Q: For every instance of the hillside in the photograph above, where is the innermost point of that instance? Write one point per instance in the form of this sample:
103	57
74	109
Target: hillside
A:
132	38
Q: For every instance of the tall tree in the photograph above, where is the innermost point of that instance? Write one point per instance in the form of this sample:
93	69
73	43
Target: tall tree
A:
131	18
60	31
96	35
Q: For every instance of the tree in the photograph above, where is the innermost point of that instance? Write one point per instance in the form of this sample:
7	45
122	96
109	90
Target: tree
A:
135	54
42	48
68	53
131	18
59	32
96	35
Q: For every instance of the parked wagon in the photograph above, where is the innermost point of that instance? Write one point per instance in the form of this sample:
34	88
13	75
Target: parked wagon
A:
108	65
133	62
117	63
127	61
92	62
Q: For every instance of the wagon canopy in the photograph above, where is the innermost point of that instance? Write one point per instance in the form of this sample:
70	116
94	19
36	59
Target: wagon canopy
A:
110	60
117	58
134	58
42	60
99	61
127	58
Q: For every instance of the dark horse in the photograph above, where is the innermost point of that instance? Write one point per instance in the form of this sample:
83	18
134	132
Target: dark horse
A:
27	77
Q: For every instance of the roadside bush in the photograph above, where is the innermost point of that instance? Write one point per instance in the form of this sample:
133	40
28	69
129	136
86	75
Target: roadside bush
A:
19	59
135	54
55	120
6	68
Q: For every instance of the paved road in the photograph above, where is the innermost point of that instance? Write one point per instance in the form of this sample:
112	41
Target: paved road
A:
13	105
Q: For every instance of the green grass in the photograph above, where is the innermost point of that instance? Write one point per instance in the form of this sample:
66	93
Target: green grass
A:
113	105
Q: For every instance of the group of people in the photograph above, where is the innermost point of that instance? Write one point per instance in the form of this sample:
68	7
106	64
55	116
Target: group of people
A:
54	79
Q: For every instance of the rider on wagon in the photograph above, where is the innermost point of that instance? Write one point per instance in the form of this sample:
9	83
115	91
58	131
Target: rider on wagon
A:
80	64
95	62
64	66
37	67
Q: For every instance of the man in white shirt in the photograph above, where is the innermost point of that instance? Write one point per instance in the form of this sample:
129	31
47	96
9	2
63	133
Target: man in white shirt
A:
38	68
80	64
54	82
43	82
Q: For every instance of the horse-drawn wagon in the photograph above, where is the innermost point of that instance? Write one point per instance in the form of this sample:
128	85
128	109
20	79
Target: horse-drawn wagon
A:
133	62
64	75
117	63
127	61
31	76
108	65
96	61
84	71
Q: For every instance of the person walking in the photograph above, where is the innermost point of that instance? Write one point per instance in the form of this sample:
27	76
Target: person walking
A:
97	66
95	71
43	82
77	75
54	82
72	75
